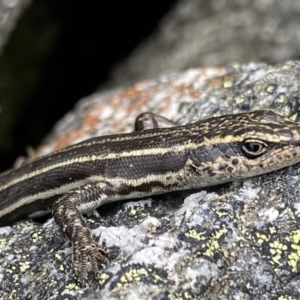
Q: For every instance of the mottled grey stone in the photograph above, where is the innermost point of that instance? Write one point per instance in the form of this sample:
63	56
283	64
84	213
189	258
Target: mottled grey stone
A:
10	11
235	241
199	33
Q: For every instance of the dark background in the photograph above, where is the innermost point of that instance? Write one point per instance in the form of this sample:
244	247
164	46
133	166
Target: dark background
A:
60	52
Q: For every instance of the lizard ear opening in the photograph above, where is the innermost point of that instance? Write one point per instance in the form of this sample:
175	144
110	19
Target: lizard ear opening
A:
254	148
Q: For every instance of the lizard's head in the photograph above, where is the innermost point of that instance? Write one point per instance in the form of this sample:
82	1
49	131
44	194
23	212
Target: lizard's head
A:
248	144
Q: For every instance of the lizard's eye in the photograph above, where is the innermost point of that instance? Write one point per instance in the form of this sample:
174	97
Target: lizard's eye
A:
254	148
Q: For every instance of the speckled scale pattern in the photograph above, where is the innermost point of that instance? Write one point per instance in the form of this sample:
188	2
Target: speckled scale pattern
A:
82	177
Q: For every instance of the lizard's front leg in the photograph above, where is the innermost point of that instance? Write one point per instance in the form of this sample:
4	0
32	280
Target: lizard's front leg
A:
67	215
68	208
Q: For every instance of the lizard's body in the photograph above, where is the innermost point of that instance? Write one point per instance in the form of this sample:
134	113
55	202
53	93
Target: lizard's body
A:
82	177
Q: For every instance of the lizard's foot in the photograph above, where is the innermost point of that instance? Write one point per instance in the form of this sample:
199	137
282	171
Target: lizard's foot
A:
86	249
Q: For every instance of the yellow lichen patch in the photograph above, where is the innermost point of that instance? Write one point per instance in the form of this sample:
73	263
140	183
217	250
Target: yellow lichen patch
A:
35	237
281	251
72	286
91	221
239	99
213	243
103	278
287	212
295	237
24	266
210	240
293	260
132	275
227	84
286	297
138	273
10	271
184	296
3	243
194	234
157	278
272	230
276	250
280	98
58	256
271	88
261	237
221	213
132	212
294	255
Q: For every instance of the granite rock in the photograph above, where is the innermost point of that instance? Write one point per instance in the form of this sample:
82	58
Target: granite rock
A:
240	240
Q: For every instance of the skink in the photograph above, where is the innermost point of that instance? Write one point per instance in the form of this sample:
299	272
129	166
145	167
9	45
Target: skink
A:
159	157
